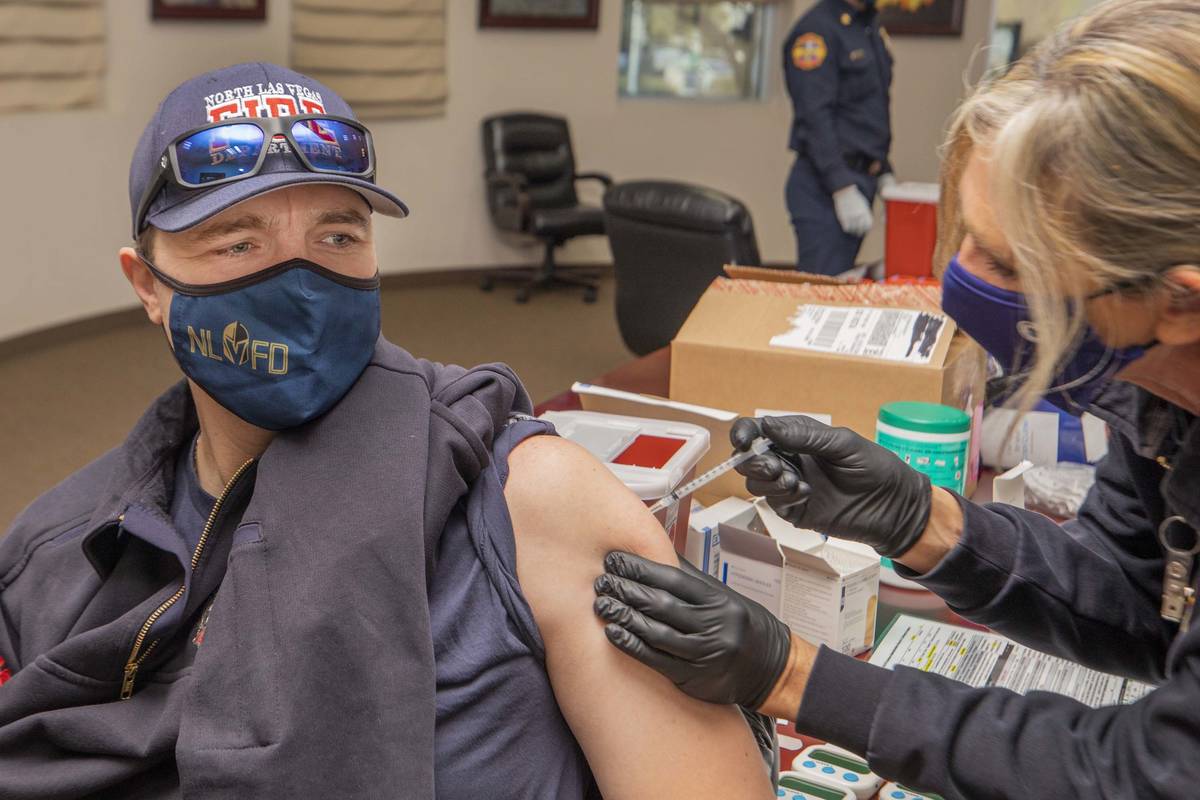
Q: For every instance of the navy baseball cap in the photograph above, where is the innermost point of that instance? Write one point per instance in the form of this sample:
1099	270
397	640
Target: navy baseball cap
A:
243	90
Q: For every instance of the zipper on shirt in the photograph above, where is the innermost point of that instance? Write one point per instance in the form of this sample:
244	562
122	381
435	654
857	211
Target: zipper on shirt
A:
137	655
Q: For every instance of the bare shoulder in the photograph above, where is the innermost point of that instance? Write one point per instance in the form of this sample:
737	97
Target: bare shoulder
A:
568	511
554	483
542	461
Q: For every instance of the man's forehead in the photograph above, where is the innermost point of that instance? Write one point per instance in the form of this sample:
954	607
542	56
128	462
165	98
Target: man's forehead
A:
334	204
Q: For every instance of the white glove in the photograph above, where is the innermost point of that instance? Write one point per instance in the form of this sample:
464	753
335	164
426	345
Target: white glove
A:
853	211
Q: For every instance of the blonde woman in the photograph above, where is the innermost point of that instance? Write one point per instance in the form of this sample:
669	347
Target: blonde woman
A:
1072	233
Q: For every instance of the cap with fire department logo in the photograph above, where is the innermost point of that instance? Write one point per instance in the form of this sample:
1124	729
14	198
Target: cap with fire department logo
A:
253	90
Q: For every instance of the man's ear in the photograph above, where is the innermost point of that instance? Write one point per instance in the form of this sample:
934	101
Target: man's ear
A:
1179	320
143	282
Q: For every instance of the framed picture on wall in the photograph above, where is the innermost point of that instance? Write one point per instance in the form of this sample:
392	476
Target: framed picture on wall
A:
539	13
208	9
922	17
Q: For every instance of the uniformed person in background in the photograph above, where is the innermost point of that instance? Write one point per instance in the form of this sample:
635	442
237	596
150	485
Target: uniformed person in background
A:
839	75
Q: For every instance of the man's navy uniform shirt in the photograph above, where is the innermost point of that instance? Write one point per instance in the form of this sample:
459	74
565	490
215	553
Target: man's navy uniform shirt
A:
839	76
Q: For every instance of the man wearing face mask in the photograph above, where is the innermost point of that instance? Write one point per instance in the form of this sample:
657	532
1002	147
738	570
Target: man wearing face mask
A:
838	67
319	566
1078	268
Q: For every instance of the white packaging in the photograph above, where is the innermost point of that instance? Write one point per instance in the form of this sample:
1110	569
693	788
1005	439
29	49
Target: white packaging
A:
826	592
1034	439
704	532
1009	488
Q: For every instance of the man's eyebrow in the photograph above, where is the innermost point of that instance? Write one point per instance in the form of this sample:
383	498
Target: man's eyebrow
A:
215	230
343	216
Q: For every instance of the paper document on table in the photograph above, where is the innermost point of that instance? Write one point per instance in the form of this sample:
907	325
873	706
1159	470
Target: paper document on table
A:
891	334
978	658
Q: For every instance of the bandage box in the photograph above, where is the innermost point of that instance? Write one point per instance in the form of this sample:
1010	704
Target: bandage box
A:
825	591
911	235
834	351
650	456
704	531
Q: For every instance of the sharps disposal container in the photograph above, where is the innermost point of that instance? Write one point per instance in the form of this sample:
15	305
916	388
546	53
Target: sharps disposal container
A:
650	456
911	234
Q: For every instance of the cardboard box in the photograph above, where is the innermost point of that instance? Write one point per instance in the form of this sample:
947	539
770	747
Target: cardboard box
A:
743	272
826	592
723	357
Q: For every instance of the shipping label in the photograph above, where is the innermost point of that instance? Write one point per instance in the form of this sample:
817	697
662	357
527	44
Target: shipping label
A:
890	334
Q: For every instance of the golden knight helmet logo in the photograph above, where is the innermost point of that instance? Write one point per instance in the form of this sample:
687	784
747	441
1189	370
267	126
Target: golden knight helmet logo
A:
235	341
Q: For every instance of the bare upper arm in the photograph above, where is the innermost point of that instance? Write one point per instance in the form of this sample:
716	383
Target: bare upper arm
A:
641	735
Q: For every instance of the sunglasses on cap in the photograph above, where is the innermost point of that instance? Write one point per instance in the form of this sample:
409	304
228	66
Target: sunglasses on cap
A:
236	148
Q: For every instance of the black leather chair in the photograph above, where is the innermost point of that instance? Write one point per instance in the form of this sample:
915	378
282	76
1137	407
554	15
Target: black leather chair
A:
669	240
531	190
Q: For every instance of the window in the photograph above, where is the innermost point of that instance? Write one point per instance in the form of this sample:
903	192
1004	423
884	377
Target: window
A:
697	50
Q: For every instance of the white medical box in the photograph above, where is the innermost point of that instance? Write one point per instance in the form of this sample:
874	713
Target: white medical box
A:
704	531
826	591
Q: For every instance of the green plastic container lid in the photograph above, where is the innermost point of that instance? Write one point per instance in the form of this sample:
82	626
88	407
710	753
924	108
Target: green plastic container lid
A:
924	417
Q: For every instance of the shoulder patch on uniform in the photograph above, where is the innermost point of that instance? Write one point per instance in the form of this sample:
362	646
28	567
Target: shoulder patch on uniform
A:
845	18
809	51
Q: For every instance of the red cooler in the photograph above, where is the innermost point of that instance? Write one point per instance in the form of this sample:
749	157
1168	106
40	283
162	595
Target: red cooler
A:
911	229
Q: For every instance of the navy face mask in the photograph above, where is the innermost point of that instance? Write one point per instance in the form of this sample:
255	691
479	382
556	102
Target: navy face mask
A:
279	347
999	320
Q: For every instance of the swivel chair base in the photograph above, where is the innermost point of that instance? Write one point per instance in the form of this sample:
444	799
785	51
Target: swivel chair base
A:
543	278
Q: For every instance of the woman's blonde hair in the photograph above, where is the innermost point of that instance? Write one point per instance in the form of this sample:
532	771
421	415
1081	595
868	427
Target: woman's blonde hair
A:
1094	140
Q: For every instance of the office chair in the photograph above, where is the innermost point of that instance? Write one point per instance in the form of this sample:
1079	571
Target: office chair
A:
531	190
668	241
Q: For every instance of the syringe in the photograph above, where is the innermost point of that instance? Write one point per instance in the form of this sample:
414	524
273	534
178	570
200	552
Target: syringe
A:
757	447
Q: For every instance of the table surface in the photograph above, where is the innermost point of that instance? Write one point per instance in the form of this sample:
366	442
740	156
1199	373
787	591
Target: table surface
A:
651	374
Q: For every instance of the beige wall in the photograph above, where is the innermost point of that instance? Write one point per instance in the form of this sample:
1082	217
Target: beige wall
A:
1039	18
62	223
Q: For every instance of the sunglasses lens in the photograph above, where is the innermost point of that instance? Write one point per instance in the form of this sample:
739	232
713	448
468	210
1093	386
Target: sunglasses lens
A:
219	153
333	146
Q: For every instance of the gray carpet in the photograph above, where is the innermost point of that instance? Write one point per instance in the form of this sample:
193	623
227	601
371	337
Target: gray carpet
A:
64	404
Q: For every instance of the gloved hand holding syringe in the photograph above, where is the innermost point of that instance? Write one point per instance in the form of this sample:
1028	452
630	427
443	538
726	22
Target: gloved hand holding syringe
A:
757	447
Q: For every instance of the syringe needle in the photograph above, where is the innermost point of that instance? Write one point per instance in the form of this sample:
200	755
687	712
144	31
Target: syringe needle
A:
757	447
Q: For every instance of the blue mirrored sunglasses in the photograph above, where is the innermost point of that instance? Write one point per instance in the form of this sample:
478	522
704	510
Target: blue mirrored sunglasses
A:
233	149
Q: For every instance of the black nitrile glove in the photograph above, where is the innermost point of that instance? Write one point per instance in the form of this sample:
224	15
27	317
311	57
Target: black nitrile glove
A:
710	641
833	481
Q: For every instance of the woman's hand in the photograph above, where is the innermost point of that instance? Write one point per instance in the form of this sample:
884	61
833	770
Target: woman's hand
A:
710	641
834	481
